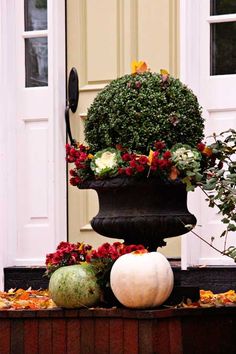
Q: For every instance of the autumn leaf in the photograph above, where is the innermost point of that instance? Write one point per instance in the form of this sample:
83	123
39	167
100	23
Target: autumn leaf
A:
139	67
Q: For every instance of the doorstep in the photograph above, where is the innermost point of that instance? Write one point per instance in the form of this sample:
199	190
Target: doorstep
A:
217	279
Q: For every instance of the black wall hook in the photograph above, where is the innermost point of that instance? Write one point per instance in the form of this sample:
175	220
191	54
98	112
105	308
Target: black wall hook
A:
72	102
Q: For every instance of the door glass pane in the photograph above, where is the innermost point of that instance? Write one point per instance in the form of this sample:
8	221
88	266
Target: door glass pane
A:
35	15
223	48
36	62
223	7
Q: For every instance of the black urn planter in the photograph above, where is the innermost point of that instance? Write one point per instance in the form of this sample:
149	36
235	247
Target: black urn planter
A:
140	211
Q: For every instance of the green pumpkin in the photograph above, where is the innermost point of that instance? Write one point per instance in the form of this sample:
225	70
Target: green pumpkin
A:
74	286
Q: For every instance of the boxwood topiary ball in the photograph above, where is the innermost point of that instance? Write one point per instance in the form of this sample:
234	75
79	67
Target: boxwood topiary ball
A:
138	109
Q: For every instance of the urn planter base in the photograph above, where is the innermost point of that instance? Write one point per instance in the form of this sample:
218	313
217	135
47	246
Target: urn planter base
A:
144	211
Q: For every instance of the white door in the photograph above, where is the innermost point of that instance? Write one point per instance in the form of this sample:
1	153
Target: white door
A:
209	67
33	134
40	168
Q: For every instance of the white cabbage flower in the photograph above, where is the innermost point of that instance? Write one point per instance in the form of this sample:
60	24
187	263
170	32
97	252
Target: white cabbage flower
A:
107	160
186	158
183	154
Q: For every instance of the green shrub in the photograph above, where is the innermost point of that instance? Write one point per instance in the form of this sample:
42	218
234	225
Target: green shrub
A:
138	109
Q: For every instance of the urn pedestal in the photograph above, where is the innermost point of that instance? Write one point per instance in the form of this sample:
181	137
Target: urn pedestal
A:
140	211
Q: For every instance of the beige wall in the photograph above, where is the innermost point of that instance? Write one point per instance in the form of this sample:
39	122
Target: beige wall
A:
103	37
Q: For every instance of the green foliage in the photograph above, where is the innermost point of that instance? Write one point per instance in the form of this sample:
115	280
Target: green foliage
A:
219	181
231	252
138	109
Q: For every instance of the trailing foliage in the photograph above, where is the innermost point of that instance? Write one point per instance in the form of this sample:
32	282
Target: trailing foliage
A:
220	181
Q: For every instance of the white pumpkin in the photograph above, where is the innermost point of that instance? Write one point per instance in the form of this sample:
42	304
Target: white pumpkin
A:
142	280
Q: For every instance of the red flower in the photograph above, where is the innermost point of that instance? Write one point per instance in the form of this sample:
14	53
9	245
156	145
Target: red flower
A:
74	181
82	147
167	154
121	170
133	163
126	157
73	152
143	160
129	171
163	164
72	173
140	168
63	245
70	159
201	146
82	156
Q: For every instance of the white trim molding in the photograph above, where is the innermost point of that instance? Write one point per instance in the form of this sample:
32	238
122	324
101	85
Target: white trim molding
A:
7	135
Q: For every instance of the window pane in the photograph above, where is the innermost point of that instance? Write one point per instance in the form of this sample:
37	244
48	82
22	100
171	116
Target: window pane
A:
223	7
223	48
35	15
36	62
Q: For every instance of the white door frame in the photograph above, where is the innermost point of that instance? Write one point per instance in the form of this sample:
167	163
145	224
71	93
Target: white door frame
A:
189	76
194	71
8	133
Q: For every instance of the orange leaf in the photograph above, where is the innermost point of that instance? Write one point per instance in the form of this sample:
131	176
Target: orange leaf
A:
24	296
207	151
139	67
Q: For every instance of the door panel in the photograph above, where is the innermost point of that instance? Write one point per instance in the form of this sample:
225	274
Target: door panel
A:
103	38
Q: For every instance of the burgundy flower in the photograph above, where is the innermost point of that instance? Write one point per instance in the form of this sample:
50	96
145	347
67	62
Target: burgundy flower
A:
159	145
119	147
